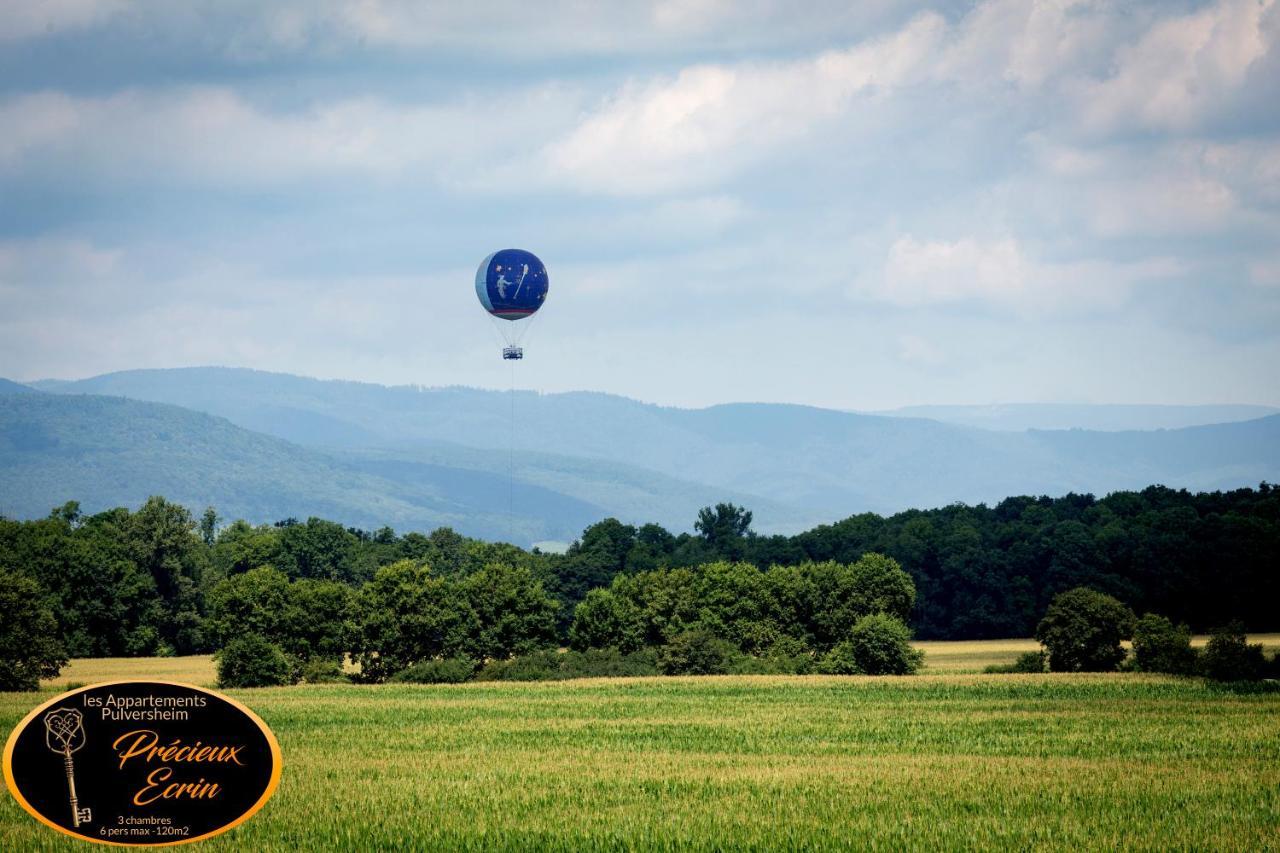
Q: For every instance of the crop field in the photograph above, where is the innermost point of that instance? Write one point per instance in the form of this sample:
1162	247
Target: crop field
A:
195	669
974	655
949	761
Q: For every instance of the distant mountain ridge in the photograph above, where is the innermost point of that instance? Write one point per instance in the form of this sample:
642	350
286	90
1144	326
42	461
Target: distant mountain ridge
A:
1016	417
8	386
110	451
794	465
107	451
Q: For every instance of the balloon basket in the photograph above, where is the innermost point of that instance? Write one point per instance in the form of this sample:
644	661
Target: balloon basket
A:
512	353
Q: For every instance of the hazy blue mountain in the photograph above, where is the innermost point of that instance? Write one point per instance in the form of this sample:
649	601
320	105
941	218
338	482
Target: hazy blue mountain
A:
1016	417
635	495
803	463
10	387
1218	456
108	451
111	451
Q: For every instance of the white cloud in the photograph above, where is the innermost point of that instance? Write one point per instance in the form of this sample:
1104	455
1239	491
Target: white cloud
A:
502	32
1251	167
513	32
670	135
701	176
711	119
214	135
1029	43
919	272
26	19
1178	203
1182	69
1166	187
1057	66
1001	274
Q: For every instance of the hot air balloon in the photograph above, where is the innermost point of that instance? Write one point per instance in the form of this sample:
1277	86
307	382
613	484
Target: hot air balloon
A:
512	285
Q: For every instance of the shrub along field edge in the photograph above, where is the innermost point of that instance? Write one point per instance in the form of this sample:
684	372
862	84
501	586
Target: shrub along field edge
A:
941	656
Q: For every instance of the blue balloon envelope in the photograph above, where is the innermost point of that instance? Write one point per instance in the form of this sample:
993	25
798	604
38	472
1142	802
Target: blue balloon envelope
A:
512	284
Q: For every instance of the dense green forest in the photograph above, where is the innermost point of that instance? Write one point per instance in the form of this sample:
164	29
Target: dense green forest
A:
987	572
160	580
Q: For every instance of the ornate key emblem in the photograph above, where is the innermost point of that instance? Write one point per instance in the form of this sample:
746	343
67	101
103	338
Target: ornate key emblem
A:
64	733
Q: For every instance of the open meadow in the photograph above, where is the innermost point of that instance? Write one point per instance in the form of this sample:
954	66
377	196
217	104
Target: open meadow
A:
941	761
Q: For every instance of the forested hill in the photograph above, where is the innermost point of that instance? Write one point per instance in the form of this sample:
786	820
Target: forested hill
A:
10	387
812	464
108	451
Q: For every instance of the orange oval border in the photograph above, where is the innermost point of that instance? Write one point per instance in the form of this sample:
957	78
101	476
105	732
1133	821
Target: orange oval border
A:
276	759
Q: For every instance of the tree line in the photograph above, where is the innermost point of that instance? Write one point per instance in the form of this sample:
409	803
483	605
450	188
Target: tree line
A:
160	580
984	572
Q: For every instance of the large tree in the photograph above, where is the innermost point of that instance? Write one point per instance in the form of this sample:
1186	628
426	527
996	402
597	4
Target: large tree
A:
318	549
164	542
724	529
513	613
406	614
29	649
1161	646
253	602
1083	629
241	546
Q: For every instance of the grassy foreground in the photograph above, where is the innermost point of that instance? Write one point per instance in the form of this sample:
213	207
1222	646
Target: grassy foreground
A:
946	761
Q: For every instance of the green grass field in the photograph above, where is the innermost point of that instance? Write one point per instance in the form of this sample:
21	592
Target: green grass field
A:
937	761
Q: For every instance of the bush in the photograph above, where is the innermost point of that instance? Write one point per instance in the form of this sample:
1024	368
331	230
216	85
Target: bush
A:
535	666
841	660
453	670
1082	630
558	666
773	664
1032	662
696	652
609	663
1160	646
1230	657
1027	662
324	671
880	644
252	661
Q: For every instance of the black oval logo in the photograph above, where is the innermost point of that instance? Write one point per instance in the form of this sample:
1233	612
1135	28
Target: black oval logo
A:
142	762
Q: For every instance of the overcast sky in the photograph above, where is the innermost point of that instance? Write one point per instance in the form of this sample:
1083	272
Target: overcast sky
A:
857	205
